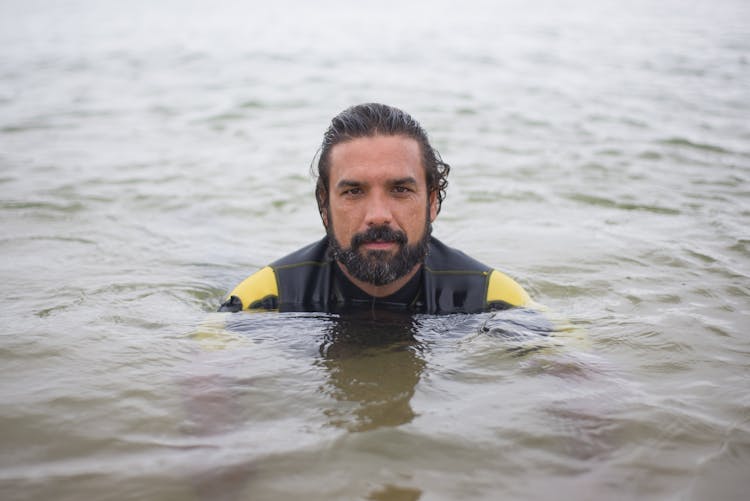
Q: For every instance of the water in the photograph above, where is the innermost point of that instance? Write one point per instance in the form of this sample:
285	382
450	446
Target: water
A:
152	156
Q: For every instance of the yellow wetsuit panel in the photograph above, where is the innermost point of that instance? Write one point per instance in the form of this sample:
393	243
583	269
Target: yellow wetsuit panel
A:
256	287
504	288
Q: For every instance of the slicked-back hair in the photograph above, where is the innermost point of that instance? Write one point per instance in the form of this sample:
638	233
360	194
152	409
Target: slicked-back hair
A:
373	119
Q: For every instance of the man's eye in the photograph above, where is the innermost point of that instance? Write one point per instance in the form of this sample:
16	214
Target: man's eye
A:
401	189
353	191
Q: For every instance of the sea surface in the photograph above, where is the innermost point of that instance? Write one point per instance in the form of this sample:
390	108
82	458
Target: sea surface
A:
153	154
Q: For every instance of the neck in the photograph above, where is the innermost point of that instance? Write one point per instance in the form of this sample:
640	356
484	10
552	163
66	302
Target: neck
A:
380	290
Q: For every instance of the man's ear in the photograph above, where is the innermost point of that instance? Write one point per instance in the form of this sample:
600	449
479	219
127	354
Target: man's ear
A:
324	216
322	205
433	206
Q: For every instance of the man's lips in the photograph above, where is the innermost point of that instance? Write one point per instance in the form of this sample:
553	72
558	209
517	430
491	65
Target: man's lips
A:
379	245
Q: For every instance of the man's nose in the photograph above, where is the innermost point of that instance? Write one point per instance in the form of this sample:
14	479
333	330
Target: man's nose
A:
378	210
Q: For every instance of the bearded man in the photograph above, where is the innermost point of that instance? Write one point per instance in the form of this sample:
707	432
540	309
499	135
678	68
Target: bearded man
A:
380	186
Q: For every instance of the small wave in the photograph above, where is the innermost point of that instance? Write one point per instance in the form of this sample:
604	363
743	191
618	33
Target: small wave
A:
680	141
12	129
52	238
58	207
606	202
480	196
650	155
225	117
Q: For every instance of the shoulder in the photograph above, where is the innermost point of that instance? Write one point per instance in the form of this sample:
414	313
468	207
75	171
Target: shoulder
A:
503	289
261	289
258	291
314	253
444	259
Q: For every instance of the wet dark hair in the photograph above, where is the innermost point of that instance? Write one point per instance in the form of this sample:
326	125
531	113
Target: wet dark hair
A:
371	119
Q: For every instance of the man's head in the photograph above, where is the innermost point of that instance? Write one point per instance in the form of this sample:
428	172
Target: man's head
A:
380	186
373	119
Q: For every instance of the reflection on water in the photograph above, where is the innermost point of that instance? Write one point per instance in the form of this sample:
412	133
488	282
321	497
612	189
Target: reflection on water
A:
373	362
357	373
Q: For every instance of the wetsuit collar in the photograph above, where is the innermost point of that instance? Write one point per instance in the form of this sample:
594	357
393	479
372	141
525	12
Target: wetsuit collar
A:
403	298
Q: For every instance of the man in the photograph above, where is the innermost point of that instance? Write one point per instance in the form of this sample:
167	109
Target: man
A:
380	186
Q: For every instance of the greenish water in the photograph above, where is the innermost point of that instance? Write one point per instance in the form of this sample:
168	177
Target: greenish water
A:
153	156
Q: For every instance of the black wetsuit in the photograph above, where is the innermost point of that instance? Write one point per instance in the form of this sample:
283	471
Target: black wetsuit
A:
308	280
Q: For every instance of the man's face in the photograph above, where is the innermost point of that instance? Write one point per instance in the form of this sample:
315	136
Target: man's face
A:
379	210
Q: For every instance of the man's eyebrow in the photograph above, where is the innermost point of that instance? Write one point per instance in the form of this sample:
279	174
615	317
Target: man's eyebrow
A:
348	183
403	180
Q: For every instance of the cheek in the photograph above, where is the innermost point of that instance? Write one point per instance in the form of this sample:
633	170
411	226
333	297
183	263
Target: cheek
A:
339	223
345	217
415	222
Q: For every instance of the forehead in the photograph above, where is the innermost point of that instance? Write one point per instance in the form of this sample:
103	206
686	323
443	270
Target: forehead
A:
396	156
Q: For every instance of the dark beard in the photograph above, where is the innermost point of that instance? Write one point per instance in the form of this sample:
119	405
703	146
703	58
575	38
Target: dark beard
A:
377	267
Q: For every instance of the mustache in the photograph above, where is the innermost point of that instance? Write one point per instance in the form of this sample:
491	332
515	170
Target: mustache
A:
378	233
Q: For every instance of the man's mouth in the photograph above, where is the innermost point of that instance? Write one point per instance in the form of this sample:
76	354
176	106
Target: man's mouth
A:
380	238
380	244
